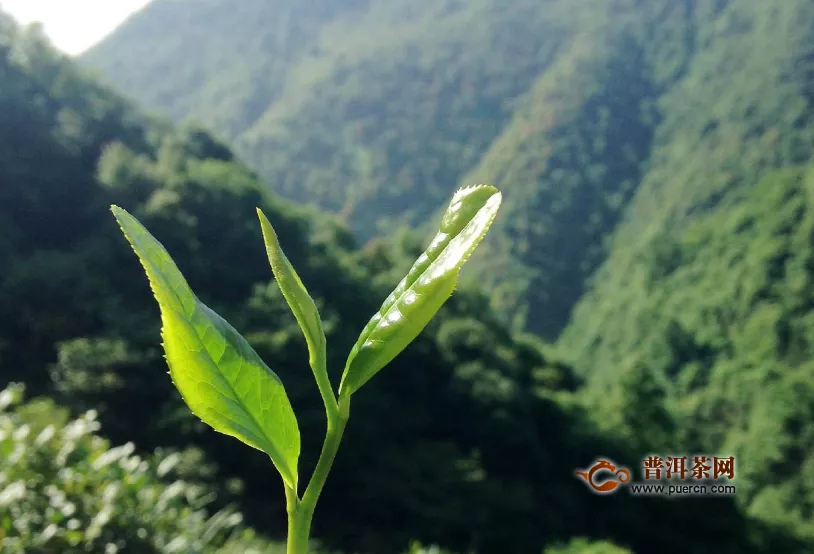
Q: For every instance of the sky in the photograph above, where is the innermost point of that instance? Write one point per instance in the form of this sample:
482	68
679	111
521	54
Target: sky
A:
73	25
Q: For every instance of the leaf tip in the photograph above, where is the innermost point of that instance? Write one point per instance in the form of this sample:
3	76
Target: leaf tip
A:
117	212
269	234
469	189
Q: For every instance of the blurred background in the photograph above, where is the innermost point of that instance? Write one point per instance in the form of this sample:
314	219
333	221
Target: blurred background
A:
647	287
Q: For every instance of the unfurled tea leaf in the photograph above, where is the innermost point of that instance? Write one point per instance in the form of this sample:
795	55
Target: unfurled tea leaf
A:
428	284
219	375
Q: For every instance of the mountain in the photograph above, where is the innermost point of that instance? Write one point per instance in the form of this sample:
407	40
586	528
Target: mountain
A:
469	439
656	160
708	283
378	111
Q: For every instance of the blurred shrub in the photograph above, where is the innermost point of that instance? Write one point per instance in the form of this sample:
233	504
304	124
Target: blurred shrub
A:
417	548
585	546
63	489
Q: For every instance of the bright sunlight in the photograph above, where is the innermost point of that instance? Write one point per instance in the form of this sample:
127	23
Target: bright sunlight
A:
73	26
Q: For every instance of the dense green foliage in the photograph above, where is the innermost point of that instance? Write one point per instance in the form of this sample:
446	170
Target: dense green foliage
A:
681	128
733	357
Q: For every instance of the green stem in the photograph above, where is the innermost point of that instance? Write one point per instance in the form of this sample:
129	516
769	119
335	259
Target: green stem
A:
324	386
333	436
301	512
298	526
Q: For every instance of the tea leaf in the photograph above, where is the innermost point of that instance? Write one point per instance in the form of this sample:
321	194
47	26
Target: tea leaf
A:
300	302
220	377
425	288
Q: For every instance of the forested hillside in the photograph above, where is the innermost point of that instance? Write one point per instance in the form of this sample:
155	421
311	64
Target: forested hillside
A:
709	280
377	111
469	439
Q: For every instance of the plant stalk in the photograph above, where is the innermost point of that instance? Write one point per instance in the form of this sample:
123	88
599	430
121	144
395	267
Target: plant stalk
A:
298	525
301	512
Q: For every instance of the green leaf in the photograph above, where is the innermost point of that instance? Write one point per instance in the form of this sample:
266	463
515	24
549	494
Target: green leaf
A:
425	288
300	302
220	377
